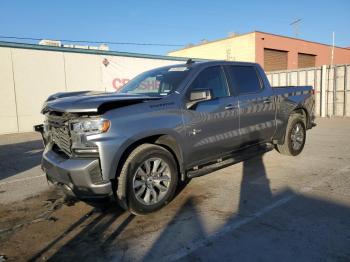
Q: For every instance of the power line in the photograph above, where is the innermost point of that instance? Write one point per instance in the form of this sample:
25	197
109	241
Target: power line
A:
88	41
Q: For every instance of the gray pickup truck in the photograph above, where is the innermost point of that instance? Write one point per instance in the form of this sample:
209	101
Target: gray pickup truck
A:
166	126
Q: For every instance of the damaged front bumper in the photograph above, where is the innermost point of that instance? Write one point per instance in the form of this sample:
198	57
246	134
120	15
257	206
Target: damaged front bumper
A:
77	177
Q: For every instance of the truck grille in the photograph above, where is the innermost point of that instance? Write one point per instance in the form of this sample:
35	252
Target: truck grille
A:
60	133
61	137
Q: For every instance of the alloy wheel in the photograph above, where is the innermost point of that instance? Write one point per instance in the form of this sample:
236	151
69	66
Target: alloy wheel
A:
297	136
151	181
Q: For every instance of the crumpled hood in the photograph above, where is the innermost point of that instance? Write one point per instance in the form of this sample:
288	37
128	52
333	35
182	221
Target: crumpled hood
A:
90	102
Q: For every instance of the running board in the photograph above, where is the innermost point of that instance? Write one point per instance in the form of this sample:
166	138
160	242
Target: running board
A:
234	158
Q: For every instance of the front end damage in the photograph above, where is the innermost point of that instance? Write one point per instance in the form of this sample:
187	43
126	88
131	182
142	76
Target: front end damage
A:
70	160
78	156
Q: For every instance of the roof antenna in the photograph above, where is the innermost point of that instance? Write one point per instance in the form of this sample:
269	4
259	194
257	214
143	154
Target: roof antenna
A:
295	25
189	61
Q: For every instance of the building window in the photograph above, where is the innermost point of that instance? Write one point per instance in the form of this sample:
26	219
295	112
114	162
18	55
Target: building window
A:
275	59
306	60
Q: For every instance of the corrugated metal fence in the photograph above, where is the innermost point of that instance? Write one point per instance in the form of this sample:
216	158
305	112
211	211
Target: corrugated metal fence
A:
331	84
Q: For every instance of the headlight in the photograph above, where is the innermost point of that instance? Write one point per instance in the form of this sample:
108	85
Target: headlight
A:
91	126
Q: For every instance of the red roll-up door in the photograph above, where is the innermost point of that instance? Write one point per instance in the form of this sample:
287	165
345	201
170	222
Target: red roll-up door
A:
275	59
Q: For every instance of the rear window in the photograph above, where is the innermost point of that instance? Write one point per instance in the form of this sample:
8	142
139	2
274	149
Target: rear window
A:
244	79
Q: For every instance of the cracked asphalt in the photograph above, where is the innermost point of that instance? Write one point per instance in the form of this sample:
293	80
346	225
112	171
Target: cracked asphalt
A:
268	208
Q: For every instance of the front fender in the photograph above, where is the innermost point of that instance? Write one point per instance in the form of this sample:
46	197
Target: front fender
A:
112	160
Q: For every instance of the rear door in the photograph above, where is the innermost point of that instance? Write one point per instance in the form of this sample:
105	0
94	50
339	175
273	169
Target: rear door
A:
256	104
211	126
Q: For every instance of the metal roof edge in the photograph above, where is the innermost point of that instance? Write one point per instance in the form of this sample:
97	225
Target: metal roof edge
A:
91	51
299	39
254	32
213	41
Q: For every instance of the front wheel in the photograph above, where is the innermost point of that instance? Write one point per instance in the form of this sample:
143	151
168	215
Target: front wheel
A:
151	175
295	137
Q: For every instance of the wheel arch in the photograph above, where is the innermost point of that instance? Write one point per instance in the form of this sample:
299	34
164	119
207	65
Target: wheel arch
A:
303	112
167	141
298	110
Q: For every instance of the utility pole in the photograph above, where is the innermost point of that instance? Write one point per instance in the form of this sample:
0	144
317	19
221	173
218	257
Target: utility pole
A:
332	51
295	25
334	77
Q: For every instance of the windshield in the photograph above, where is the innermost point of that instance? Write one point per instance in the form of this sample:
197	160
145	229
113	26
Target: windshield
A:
157	82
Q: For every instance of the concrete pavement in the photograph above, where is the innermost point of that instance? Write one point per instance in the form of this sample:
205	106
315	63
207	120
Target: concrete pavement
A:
20	174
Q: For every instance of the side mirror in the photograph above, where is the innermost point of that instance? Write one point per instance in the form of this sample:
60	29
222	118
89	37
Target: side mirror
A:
199	95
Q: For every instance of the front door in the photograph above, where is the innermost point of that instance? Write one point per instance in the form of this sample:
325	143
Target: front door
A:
211	125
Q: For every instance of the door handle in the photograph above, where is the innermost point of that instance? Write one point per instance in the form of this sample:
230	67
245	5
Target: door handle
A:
195	131
267	101
230	107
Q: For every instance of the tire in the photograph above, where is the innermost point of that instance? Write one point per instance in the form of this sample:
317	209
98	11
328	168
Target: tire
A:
151	178
293	142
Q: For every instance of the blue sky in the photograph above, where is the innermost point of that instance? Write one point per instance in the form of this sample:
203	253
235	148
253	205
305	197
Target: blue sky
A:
172	22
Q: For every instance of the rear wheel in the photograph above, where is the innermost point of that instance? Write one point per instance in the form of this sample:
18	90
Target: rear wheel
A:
295	137
151	176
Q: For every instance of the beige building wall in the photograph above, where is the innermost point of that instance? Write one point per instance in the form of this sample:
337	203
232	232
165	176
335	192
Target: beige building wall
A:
37	74
250	47
8	115
83	72
236	48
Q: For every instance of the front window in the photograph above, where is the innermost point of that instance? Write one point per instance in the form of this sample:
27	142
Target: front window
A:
157	82
211	78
